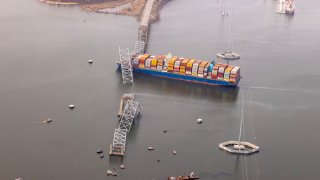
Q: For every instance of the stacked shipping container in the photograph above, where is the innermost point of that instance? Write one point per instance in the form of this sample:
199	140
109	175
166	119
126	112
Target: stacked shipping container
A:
171	64
177	65
183	66
189	66
193	67
202	66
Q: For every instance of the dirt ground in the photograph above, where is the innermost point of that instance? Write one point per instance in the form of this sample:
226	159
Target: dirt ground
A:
135	8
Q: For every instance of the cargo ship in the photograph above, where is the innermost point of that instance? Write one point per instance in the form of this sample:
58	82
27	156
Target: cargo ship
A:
186	69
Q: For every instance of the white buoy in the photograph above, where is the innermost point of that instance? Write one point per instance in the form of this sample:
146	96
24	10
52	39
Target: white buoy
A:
71	106
150	148
90	61
199	120
174	152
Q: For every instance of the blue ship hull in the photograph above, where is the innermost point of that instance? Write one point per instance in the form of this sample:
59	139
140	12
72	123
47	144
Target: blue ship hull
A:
182	77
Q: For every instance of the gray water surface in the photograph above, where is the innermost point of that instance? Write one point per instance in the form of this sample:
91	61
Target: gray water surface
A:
43	68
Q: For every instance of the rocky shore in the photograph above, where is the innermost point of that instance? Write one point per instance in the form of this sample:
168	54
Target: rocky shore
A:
121	7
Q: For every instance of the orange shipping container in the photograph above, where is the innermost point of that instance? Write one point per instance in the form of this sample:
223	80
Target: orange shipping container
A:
215	69
177	64
183	66
171	64
201	68
160	63
189	66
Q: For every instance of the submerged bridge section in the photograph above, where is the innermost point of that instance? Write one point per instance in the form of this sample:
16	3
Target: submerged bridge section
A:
131	111
145	23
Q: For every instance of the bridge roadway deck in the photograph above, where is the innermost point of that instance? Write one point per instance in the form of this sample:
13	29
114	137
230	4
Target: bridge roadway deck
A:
146	13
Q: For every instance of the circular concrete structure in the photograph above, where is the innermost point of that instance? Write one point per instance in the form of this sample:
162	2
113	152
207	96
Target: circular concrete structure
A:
229	55
246	147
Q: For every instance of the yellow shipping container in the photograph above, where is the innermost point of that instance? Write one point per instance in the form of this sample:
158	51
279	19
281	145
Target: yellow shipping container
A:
203	64
227	72
154	62
190	63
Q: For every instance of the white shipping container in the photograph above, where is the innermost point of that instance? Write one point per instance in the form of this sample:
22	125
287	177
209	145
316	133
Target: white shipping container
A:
148	62
221	70
135	62
177	64
235	70
195	70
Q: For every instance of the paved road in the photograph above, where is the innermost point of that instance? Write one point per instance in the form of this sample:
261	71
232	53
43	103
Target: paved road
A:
146	13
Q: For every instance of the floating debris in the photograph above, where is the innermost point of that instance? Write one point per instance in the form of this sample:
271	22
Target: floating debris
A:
174	152
199	120
90	61
109	172
48	120
122	166
18	178
150	148
101	156
99	151
158	160
71	106
192	176
165	131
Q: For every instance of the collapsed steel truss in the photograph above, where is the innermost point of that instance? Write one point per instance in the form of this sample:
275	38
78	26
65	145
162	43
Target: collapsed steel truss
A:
126	66
131	111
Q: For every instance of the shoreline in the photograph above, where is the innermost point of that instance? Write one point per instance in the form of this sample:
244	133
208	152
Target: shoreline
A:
120	7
